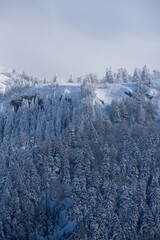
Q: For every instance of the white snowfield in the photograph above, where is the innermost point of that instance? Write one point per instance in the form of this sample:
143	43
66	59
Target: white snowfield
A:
114	91
3	82
7	79
104	93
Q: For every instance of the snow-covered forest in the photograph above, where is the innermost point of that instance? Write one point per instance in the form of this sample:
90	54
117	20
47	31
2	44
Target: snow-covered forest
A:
80	159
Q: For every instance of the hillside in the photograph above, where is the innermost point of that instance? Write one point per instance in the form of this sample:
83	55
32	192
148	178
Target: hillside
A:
80	160
104	93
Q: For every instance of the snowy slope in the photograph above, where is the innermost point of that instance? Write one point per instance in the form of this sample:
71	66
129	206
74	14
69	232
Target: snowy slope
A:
4	81
72	90
7	79
104	94
155	88
114	91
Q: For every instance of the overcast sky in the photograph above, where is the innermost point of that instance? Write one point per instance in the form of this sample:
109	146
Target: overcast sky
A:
44	37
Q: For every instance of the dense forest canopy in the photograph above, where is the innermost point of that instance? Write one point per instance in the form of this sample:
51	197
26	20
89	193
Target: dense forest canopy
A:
73	166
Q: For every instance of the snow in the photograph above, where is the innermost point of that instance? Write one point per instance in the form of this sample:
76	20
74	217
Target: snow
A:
155	88
7	79
107	94
104	93
113	91
72	89
4	81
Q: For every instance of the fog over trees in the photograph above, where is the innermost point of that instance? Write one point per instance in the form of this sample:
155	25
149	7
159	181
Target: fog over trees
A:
74	168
